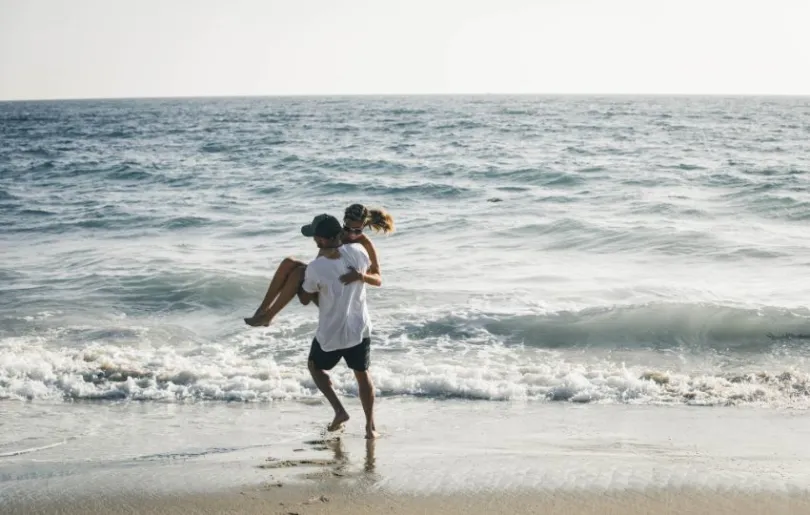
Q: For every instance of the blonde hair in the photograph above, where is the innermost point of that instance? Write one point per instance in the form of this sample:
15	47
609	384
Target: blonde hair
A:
378	219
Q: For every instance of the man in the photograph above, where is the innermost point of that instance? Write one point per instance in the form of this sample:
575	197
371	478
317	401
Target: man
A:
339	276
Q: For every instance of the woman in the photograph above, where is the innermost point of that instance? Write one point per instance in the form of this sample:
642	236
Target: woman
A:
290	273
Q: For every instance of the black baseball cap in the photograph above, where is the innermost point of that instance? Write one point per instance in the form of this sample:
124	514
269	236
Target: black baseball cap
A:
323	226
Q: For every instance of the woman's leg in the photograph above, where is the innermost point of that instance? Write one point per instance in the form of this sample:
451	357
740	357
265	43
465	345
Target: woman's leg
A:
288	291
283	271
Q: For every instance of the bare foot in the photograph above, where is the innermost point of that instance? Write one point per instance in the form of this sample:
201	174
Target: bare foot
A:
258	320
340	419
371	433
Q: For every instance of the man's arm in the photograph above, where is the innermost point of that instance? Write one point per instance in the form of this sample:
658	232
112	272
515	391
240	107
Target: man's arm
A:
365	271
370	277
308	290
305	297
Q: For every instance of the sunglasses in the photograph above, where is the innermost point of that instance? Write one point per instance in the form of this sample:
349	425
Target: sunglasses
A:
352	230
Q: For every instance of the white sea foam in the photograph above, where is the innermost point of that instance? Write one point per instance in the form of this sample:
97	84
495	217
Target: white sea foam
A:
464	354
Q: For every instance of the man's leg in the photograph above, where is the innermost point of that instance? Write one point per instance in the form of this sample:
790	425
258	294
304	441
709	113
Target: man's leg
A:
358	359
320	361
366	389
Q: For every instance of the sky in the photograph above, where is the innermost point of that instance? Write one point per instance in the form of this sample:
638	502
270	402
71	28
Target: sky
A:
51	49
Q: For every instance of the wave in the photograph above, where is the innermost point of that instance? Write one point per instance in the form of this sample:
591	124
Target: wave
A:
172	292
5	196
129	172
518	112
109	219
42	152
215	148
143	293
186	222
421	190
694	354
669	209
43	166
65	172
153	289
572	233
36	212
458	125
533	176
400	111
683	326
248	370
359	164
782	207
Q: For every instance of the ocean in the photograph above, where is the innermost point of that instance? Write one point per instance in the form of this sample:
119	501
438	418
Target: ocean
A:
602	252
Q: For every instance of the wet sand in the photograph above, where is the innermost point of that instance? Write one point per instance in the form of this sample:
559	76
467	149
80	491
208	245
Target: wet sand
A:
433	457
328	499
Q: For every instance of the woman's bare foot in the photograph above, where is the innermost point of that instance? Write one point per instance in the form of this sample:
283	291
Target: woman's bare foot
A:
258	320
337	423
371	433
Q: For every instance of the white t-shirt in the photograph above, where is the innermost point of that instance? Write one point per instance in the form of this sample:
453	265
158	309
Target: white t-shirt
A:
343	319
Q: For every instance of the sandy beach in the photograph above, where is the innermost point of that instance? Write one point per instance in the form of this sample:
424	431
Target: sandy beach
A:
433	457
330	499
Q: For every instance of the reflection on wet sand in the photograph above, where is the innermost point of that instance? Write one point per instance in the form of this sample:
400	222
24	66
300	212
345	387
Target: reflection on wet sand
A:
339	466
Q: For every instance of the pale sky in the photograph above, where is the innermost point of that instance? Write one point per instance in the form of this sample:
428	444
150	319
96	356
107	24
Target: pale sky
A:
149	48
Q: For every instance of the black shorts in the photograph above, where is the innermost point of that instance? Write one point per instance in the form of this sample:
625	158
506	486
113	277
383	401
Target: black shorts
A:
357	357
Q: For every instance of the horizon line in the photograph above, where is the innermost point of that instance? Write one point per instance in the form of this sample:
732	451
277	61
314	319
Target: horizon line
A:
401	95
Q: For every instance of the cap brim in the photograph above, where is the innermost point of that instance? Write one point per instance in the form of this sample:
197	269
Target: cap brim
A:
308	231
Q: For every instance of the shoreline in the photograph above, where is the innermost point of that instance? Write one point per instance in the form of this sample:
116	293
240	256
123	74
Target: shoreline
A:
433	457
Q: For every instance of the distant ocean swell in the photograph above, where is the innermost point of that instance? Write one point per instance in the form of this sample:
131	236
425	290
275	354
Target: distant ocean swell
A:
781	198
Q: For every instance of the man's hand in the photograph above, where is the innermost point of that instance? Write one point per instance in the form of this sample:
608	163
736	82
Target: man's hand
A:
304	297
351	276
